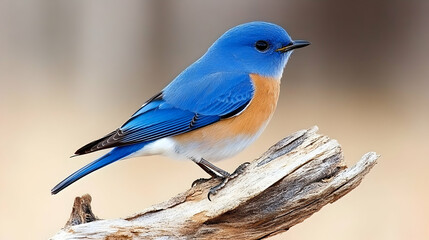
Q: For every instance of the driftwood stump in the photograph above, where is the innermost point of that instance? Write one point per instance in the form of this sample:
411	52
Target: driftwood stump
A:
292	180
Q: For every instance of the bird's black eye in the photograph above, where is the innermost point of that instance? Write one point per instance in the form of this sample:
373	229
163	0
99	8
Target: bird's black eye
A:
262	45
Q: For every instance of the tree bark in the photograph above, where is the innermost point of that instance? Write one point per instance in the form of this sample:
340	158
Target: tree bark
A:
292	180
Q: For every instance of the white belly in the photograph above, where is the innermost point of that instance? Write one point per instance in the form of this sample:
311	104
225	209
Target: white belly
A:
196	150
213	151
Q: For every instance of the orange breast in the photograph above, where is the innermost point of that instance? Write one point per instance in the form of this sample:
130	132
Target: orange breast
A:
249	122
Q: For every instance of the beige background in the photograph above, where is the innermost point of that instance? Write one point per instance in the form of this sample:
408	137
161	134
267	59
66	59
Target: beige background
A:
71	71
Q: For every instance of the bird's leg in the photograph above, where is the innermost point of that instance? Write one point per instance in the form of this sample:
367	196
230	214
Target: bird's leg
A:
212	169
218	173
209	168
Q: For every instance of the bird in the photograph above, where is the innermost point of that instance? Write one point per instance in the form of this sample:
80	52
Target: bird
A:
211	111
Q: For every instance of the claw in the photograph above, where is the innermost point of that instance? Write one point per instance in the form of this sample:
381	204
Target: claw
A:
240	169
218	187
225	180
200	181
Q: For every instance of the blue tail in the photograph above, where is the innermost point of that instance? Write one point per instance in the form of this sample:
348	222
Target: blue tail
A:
113	156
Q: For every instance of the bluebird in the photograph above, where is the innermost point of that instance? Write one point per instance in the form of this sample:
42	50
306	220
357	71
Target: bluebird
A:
213	110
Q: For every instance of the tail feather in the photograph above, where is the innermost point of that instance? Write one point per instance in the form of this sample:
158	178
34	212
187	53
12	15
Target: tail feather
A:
113	156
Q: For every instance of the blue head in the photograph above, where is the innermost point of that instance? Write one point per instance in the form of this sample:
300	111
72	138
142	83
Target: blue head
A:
256	47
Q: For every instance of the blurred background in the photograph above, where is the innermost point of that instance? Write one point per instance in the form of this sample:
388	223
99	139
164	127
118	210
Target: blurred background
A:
71	71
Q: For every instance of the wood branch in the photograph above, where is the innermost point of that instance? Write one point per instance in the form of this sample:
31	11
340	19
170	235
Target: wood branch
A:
292	180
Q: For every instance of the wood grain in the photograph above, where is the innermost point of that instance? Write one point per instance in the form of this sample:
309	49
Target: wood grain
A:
292	180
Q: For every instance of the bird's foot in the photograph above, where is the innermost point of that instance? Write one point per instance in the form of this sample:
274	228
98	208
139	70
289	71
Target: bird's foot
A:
226	179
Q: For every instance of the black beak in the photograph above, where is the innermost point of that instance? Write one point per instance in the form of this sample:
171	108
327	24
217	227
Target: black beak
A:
293	45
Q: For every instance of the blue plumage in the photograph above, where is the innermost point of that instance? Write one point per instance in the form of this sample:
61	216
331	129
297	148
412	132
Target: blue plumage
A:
215	94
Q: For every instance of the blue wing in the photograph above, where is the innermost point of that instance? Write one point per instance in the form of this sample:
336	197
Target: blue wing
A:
180	108
216	94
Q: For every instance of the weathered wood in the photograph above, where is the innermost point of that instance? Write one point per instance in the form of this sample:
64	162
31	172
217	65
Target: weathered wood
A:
294	179
81	211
